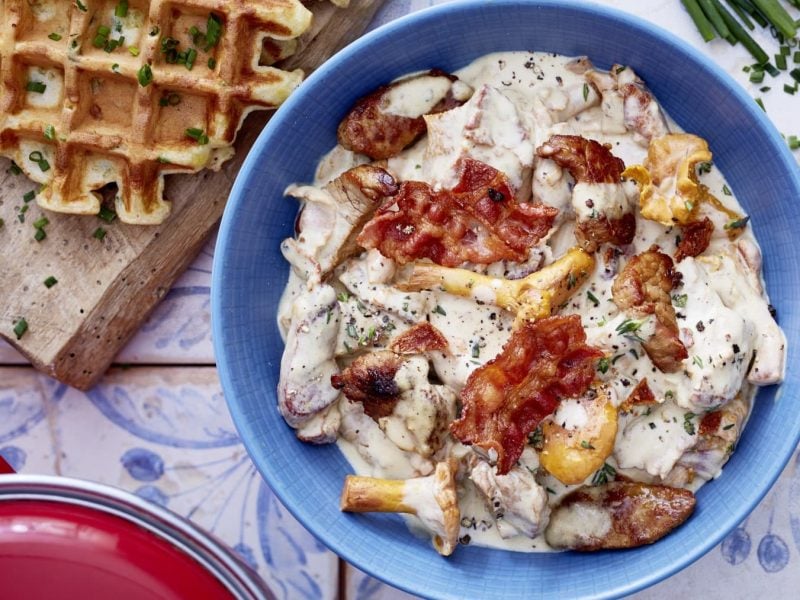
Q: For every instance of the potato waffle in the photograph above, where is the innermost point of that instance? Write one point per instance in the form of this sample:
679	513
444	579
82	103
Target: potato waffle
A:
100	92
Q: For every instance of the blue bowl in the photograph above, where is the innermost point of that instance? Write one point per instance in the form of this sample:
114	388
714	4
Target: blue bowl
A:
249	275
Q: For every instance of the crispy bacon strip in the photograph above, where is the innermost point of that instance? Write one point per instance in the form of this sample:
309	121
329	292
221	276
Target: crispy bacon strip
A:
370	380
586	160
641	394
477	221
421	338
589	161
503	401
643	288
369	130
695	237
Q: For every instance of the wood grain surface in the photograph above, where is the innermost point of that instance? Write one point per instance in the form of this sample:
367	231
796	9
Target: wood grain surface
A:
107	287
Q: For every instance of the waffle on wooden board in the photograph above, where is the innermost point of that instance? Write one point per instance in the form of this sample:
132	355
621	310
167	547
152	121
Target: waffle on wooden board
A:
121	92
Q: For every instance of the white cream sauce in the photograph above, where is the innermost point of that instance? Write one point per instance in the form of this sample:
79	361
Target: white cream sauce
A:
520	100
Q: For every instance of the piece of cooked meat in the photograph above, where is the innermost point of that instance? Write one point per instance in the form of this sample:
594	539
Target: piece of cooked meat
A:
642	289
586	160
370	379
421	338
517	502
695	237
617	515
641	112
332	218
307	363
605	212
477	221
504	400
384	122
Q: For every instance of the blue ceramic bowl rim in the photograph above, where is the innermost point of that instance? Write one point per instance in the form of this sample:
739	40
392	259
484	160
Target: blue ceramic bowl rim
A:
228	231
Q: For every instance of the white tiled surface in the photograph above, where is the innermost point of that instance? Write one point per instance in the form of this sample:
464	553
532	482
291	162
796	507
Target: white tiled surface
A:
164	432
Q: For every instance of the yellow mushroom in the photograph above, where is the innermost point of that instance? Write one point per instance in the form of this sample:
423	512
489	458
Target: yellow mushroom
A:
432	499
531	297
670	192
572	454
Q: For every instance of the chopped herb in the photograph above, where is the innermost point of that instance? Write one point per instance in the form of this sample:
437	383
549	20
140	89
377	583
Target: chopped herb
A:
115	67
440	310
737	223
154	31
634	353
794	142
2	222
603	364
121	10
20	327
162	160
571	281
652	425
134	50
212	62
55	36
213	32
343	297
592	298
620	69
704	167
99	233
688	425
107	214
191	55
80	5
536	437
29	196
350	330
39	159
171	99
669	395
50	133
41	222
39	235
761	104
630	328
604	474
586	445
795	73
145	75
726	190
36	86
197	135
616	358
679	300
730	426
780	61
476	350
688	205
756	76
50	282
585	91
550	490
14	169
698	361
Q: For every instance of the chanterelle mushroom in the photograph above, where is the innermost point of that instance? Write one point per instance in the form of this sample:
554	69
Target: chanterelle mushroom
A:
432	499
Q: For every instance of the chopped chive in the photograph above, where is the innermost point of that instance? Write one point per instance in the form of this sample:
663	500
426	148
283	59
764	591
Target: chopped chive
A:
50	282
778	16
191	55
795	73
761	104
107	214
212	62
764	89
154	31
20	327
145	75
197	135
80	5
741	14
2	222
780	61
193	31
726	190
789	89
794	142
134	51
41	222
756	76
14	169
99	41
785	50
40	235
23	209
36	86
50	133
592	298
121	10
35	156
115	67
213	32
103	30
700	20
99	233
585	91
714	16
769	68
796	57
55	36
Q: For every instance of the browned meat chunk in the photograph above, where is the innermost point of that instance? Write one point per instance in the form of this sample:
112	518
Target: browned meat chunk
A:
617	515
374	128
695	237
421	338
370	380
642	289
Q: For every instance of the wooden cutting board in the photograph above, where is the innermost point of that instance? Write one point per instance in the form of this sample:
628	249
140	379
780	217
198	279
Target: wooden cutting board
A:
107	287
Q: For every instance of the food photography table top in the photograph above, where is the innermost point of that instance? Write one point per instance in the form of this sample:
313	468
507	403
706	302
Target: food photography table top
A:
116	380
